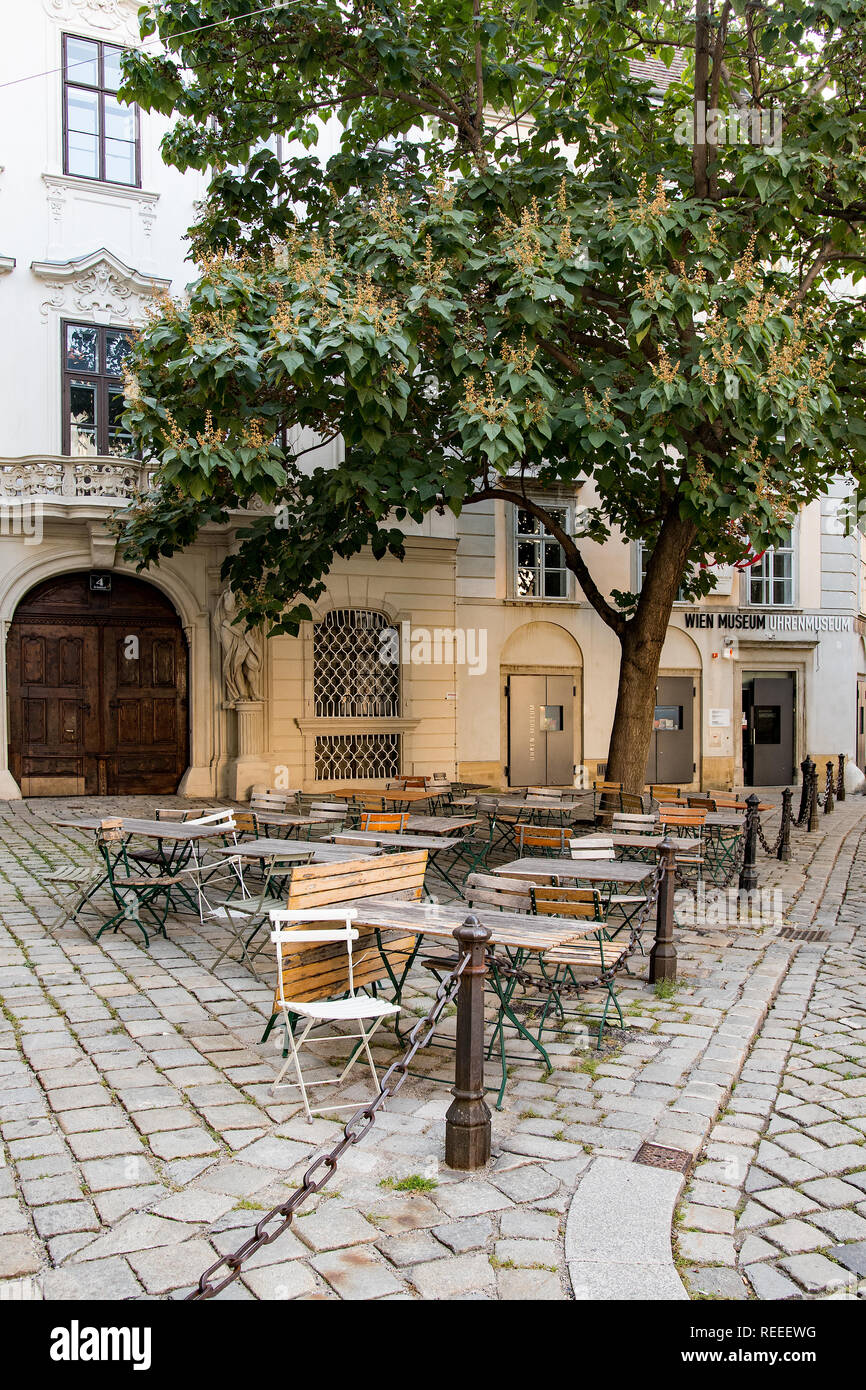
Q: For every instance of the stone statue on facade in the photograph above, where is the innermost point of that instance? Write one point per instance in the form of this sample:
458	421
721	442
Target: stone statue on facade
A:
242	651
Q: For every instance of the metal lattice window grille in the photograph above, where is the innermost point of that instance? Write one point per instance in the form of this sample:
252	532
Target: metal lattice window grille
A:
355	675
340	757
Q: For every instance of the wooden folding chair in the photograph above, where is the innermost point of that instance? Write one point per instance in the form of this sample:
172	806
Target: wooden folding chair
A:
602	847
274	802
685	822
606	799
384	822
71	887
594	955
634	825
507	895
133	893
542	840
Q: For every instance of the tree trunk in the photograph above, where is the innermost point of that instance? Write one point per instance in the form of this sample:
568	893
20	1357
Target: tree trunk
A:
641	642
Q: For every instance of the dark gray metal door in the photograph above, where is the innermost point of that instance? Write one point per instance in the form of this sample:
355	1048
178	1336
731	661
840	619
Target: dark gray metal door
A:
671	755
558	728
772	731
540	731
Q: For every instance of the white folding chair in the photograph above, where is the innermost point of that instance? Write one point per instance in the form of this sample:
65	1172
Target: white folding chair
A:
353	1009
216	871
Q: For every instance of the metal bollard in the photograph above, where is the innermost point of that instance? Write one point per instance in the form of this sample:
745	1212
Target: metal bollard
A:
813	799
467	1123
840	785
828	797
784	853
663	956
749	872
806	767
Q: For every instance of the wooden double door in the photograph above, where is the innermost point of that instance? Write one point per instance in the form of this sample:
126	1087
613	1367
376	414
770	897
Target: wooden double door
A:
97	686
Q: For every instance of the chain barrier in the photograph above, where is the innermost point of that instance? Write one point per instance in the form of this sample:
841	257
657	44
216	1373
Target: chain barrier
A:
358	1126
828	786
788	822
506	968
764	842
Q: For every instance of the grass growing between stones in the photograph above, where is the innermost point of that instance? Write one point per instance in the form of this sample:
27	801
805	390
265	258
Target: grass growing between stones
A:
413	1183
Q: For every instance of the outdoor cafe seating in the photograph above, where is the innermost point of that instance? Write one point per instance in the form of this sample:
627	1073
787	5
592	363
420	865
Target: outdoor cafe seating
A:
557	902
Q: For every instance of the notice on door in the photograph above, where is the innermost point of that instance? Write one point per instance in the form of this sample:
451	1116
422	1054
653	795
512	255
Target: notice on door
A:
720	718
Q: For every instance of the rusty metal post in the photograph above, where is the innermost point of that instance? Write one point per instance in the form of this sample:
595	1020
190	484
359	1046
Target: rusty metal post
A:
806	788
785	843
828	796
663	956
749	872
840	785
813	800
467	1123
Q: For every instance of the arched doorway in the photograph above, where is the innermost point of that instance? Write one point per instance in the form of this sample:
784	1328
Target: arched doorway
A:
542	666
97	685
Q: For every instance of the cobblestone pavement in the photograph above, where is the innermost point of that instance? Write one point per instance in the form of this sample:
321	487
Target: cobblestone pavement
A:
777	1204
140	1138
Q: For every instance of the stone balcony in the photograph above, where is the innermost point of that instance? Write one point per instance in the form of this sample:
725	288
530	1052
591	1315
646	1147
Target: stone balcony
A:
56	478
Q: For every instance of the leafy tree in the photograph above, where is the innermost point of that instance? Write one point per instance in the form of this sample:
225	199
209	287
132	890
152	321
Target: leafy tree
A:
523	269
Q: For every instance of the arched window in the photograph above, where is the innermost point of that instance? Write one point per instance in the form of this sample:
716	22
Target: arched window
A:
356	675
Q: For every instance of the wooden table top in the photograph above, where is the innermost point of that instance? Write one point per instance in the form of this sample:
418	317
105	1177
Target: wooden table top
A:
386	837
439	825
388	793
513	929
540	803
310	851
681	842
281	818
150	829
594	870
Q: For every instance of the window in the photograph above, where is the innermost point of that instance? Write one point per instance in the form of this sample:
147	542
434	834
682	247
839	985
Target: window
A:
100	134
540	569
356	675
642	561
93	360
771	580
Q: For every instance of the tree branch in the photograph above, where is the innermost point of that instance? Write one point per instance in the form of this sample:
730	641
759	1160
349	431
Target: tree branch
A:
575	561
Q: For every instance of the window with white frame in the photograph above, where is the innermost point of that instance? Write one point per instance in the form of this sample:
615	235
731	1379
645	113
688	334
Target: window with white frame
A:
771	580
540	570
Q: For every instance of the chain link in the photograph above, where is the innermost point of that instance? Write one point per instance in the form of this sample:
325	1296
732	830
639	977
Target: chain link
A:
358	1126
765	844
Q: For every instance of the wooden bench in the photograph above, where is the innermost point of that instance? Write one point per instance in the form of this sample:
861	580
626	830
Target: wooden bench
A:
320	972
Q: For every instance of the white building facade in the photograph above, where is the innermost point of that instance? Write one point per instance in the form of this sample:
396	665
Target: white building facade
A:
477	655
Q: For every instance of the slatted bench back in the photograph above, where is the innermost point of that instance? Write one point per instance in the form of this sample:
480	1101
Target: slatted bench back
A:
321	971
